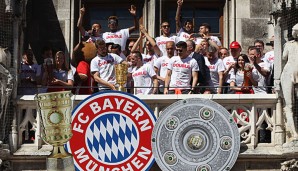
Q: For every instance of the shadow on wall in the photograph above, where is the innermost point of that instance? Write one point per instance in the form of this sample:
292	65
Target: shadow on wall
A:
43	28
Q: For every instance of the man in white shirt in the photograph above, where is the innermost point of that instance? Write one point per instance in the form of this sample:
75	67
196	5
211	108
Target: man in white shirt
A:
144	77
180	71
120	36
260	44
204	33
161	65
269	60
93	34
153	51
184	32
260	71
162	40
102	67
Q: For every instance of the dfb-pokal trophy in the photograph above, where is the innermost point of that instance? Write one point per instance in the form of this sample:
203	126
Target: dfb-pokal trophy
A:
55	111
121	76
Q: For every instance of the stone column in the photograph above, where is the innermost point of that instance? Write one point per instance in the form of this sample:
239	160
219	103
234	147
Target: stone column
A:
151	20
279	138
277	54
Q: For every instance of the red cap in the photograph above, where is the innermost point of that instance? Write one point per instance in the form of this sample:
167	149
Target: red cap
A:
235	45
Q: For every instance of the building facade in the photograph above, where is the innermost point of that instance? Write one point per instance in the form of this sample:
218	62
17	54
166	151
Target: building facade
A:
34	24
54	22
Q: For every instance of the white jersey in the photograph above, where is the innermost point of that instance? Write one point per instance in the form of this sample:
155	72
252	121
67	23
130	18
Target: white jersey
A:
182	35
142	78
213	38
119	37
105	67
258	77
181	72
215	67
149	59
227	61
161	42
237	78
269	59
162	65
93	38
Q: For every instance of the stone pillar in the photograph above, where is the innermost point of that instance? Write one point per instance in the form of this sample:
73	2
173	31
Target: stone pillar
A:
277	53
279	138
254	137
63	10
151	20
64	164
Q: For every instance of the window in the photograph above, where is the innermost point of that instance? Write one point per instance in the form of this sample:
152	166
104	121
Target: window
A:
201	12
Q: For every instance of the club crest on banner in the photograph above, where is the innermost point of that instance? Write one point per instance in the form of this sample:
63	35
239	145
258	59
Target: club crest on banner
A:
112	132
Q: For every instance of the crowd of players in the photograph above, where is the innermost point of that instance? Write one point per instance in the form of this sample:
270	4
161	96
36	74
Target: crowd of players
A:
187	62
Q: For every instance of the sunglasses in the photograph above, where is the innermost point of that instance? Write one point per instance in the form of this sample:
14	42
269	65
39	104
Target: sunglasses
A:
112	22
165	26
179	50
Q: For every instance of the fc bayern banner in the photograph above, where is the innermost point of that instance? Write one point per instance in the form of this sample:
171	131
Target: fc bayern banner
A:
112	132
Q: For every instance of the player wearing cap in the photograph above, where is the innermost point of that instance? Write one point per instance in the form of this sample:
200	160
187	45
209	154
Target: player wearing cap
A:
120	36
230	61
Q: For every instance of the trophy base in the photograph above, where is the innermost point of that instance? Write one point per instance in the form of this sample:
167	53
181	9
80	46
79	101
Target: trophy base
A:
121	88
60	164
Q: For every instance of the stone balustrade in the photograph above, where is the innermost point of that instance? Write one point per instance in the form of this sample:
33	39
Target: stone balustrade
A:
259	119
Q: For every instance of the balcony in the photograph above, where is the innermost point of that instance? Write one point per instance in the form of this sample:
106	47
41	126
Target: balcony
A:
259	119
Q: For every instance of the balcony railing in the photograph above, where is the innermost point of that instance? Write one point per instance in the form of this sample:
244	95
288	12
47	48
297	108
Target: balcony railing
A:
259	119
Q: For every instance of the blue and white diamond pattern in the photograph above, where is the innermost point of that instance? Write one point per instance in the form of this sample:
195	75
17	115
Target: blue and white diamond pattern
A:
112	138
